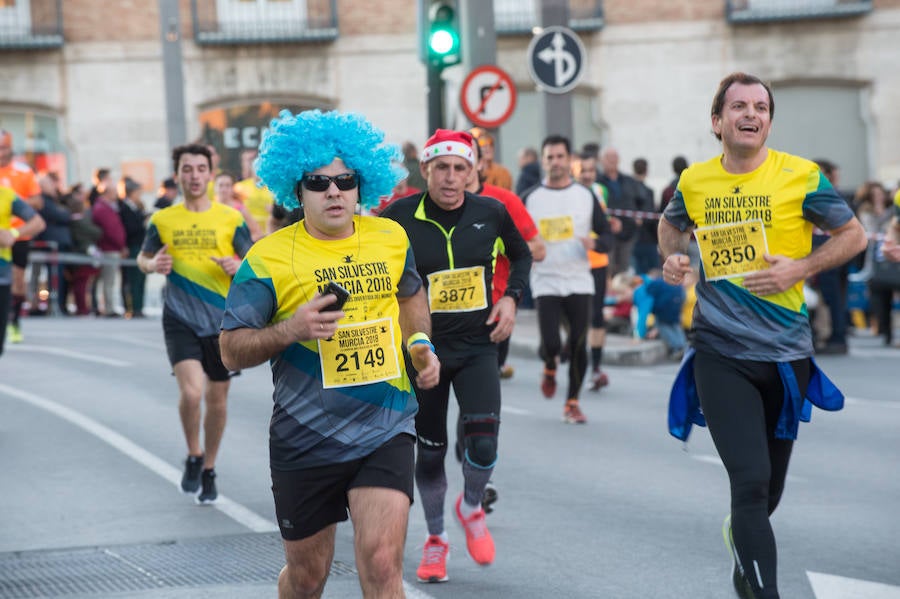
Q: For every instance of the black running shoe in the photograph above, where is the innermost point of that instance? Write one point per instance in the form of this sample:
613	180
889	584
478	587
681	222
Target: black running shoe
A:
489	497
190	480
209	493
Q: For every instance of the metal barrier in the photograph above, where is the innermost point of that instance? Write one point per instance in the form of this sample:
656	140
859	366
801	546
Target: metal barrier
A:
48	253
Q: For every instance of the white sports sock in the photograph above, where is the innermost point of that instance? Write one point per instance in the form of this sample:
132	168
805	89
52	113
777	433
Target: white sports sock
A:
467	510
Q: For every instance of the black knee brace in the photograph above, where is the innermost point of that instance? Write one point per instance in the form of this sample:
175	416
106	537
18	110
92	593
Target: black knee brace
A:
480	434
430	458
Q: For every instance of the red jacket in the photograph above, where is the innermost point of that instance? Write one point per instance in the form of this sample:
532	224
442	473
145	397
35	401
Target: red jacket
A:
107	218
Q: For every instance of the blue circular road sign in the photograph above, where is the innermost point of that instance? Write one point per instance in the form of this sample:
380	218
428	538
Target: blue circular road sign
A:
556	59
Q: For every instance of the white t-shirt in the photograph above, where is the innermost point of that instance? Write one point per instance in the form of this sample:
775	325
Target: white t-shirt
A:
564	217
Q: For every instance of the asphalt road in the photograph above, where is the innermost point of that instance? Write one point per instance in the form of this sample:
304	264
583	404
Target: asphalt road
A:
91	451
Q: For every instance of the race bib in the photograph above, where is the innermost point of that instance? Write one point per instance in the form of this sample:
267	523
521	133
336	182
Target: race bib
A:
358	354
732	250
458	290
557	228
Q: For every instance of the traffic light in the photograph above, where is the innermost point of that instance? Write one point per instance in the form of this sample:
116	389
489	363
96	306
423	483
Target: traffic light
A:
442	34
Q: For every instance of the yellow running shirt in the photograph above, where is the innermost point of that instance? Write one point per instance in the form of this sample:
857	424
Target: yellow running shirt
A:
737	219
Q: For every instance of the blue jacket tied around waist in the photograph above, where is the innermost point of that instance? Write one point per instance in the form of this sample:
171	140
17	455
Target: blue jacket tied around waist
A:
684	403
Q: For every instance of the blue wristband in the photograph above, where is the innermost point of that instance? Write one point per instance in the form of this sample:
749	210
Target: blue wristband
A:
422	342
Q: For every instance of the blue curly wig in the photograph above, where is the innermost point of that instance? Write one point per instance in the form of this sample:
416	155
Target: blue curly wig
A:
295	145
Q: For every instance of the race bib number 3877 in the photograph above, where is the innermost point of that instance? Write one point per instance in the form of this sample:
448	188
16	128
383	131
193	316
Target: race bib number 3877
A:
732	250
457	290
359	353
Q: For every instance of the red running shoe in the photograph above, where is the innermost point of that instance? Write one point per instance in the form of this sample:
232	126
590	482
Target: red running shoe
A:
599	380
572	414
548	383
478	538
434	560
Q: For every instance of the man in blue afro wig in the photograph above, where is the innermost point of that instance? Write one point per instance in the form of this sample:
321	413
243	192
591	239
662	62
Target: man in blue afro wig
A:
336	306
295	145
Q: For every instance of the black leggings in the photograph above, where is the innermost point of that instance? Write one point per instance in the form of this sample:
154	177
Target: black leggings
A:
476	384
598	320
5	295
577	309
881	299
741	401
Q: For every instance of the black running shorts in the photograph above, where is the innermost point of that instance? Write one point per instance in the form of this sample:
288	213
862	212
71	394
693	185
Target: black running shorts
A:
183	344
20	253
310	499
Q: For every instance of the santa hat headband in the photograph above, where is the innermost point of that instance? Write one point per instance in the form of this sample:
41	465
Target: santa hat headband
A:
445	142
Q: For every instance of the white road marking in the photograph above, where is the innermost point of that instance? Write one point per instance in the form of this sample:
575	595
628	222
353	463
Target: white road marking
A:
714	459
871	403
57	351
414	593
516	411
829	586
234	510
160	346
709	459
875	352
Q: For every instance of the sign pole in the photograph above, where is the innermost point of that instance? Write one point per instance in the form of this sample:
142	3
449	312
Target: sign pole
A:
479	42
435	99
557	107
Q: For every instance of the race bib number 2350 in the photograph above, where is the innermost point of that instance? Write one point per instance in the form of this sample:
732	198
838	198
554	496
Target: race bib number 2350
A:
732	250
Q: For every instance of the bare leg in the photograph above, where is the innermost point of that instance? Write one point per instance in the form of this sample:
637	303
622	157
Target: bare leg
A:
214	420
190	377
308	565
380	517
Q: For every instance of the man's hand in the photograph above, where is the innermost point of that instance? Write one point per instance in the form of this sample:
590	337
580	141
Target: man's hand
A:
426	364
309	322
783	273
615	225
891	250
229	264
504	314
7	239
162	261
675	267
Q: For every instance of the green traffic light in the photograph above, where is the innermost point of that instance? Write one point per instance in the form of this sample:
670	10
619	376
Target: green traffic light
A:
443	42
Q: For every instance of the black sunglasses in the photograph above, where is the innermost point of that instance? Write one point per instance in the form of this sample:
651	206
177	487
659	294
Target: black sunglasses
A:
344	182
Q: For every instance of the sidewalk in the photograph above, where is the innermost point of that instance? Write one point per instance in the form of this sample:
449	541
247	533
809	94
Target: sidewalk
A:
619	349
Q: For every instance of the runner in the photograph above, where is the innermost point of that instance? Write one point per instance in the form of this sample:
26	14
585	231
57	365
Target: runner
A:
22	180
194	244
567	214
32	224
454	236
341	435
753	210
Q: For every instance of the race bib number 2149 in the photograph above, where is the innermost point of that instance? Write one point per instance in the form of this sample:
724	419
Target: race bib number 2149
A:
359	353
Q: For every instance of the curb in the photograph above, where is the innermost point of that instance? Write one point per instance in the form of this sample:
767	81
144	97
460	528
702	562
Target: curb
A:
619	350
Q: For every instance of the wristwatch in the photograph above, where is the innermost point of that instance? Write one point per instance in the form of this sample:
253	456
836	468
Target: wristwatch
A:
515	294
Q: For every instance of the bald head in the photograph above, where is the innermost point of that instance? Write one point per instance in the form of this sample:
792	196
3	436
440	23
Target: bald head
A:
609	161
6	142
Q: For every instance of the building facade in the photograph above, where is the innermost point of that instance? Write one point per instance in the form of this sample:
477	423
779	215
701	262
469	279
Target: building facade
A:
100	83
